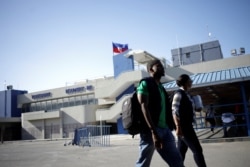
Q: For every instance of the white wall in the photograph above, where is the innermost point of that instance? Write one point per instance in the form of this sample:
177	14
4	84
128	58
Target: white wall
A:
39	125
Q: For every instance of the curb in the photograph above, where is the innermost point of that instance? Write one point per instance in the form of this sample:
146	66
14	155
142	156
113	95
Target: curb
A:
221	140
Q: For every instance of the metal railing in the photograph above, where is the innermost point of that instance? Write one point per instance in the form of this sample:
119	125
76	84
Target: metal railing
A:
239	124
93	135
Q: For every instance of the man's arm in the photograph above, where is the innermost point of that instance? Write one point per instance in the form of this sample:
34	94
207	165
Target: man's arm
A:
175	109
143	100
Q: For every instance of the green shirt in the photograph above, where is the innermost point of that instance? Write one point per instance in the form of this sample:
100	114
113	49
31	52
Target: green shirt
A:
142	89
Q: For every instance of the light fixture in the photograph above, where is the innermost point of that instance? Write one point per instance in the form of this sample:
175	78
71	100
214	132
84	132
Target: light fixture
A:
209	89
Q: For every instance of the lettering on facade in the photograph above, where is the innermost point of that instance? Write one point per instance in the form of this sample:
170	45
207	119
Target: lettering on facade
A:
41	96
89	87
75	90
79	89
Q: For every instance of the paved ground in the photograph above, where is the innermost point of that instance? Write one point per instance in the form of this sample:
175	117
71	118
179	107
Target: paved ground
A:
122	152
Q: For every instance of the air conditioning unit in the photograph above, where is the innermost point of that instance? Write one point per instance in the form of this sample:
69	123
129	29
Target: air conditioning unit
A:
242	51
9	87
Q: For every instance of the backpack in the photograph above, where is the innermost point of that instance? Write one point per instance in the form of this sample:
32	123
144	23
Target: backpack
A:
132	115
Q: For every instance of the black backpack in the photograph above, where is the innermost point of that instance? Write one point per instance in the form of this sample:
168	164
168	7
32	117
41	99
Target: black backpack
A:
132	115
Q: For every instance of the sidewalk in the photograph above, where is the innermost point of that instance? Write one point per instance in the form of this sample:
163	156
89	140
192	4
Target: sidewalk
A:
122	152
206	136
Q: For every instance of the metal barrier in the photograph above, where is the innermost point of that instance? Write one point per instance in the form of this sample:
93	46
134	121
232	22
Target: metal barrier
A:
93	135
200	122
239	124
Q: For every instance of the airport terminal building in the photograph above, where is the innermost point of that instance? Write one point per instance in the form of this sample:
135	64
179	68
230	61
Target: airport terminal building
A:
56	113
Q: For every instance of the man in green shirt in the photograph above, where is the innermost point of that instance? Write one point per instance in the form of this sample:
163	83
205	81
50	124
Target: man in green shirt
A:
158	121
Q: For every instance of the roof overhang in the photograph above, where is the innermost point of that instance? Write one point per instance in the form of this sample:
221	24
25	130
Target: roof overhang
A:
141	56
215	78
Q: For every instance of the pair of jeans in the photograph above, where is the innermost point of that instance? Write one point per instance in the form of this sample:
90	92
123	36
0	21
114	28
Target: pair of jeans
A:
190	140
169	152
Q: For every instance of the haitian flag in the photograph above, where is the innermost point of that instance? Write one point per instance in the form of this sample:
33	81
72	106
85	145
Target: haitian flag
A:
119	48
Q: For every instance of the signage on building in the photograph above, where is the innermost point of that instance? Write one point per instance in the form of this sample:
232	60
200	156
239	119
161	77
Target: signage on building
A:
41	95
89	87
79	89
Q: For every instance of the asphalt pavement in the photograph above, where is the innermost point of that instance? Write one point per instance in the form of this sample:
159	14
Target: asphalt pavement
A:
122	152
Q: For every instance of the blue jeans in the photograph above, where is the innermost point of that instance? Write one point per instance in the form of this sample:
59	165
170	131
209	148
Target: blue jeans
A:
169	152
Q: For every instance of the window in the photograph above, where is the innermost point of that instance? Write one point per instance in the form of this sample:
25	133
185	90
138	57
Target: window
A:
49	105
66	102
43	105
78	100
91	99
60	103
38	106
26	108
84	99
54	105
33	107
72	101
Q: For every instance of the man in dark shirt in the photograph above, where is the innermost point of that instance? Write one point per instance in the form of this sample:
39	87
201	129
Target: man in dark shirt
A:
158	121
183	113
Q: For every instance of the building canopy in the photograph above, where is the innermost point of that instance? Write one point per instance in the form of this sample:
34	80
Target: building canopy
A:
221	85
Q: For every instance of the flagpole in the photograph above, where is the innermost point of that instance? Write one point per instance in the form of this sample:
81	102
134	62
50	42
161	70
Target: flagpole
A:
113	48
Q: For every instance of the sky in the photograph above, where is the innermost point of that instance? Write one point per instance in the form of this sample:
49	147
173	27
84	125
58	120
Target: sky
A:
47	44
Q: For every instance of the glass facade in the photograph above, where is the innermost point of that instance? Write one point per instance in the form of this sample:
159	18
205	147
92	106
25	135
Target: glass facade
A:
56	104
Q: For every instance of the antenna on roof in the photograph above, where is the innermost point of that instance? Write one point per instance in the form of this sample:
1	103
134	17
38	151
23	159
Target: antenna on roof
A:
178	50
209	34
4	85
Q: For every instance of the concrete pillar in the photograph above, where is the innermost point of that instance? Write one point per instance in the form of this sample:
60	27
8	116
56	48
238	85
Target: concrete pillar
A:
201	53
61	124
245	107
2	133
43	129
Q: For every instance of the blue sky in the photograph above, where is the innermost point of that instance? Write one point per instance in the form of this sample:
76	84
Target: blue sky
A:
46	43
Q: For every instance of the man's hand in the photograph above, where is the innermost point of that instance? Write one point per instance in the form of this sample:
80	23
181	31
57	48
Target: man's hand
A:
179	131
157	141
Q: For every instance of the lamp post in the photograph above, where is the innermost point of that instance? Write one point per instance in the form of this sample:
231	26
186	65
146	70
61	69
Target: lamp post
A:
5	112
5	100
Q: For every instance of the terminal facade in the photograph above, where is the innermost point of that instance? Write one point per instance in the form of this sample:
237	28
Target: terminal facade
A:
56	113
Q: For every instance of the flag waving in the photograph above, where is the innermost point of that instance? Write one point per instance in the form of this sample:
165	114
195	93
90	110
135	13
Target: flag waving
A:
119	48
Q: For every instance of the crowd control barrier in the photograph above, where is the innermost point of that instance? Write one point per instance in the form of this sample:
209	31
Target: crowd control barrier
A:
92	135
